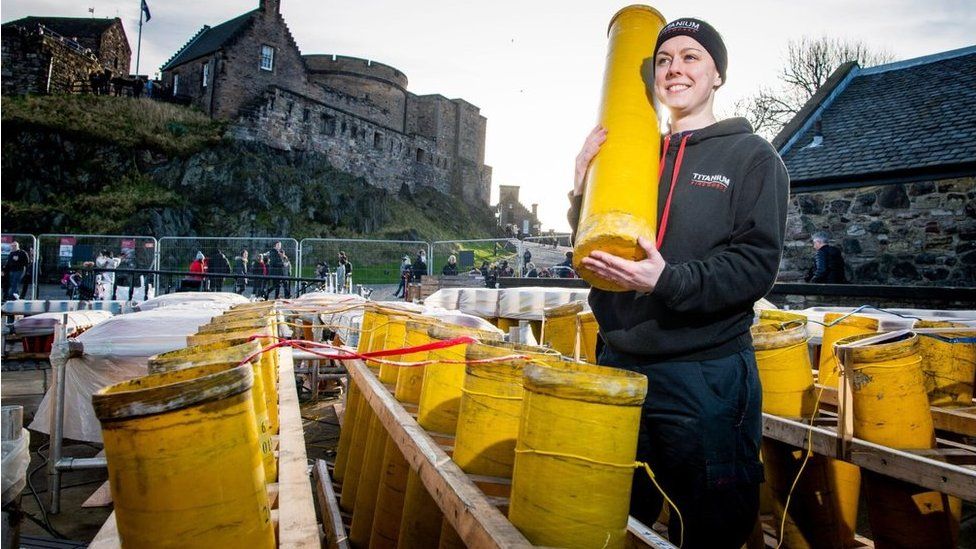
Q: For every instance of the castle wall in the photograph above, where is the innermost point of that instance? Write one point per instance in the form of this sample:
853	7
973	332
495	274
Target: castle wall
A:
114	51
382	155
374	91
29	59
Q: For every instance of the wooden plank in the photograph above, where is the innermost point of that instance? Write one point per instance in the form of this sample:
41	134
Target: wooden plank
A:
930	473
468	510
108	536
961	421
298	526
335	531
640	536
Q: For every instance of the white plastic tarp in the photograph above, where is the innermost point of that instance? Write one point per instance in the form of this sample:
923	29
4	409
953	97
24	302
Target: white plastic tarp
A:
16	458
43	324
116	350
225	299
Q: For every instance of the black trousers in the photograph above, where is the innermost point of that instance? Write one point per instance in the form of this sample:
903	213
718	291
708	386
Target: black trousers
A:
700	431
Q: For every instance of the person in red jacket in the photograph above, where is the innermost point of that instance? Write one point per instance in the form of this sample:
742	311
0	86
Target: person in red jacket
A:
199	265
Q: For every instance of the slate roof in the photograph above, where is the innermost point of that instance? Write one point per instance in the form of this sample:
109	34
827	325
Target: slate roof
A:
210	39
69	27
909	115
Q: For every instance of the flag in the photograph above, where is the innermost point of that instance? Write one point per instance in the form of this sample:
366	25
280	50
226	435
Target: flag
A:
145	9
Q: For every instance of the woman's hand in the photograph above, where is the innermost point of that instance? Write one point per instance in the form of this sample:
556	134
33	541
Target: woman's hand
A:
590	147
640	276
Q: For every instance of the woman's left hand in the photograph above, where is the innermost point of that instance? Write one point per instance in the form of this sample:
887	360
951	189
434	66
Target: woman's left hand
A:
640	276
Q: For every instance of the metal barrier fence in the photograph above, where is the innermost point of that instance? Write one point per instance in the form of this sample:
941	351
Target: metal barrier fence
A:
225	255
375	263
547	256
28	243
492	256
60	255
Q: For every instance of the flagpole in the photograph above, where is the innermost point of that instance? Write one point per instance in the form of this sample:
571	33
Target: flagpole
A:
139	43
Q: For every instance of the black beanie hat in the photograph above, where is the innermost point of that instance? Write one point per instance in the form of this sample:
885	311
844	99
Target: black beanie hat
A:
705	34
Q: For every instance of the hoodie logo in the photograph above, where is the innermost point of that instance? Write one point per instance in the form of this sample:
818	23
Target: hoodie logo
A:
717	181
681	24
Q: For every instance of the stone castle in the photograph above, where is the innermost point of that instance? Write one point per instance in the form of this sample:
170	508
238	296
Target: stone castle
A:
357	112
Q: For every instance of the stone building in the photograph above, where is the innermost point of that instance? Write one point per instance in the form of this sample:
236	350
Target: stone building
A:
358	112
884	159
56	54
512	213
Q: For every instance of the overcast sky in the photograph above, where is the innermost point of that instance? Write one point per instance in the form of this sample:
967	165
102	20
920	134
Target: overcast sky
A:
535	67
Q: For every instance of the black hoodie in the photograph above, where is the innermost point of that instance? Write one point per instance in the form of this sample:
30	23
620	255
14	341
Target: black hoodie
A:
722	244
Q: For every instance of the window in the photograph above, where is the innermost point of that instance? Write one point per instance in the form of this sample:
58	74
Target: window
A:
328	124
305	114
205	76
377	141
176	84
267	58
420	155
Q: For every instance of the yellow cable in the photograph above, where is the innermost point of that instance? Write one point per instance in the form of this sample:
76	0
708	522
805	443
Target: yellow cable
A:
796	480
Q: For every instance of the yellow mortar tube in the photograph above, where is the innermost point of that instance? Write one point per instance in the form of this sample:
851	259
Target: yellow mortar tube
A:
440	392
588	330
817	515
620	196
353	398
420	527
269	361
394	333
258	322
354	461
364	508
948	363
410	379
891	408
229	352
829	367
184	459
390	498
574	461
559	327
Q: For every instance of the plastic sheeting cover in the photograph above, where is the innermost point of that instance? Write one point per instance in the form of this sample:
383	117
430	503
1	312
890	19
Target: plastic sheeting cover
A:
224	298
43	324
16	458
116	350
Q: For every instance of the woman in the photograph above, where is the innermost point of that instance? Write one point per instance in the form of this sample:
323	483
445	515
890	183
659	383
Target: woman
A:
198	265
685	320
406	272
451	268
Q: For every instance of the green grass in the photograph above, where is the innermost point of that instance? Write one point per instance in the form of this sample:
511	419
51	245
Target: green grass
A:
138	123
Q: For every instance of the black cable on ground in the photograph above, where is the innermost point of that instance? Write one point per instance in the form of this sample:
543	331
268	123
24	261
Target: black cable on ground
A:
47	522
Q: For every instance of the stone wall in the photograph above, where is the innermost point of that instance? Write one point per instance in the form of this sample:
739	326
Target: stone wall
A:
383	156
30	58
113	50
901	234
375	91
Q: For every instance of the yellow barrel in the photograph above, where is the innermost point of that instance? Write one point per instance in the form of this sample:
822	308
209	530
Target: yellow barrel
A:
891	408
559	328
948	363
775	316
257	322
389	499
588	330
491	405
576	446
440	393
354	461
394	333
184	459
620	197
410	379
269	361
833	332
783	359
420	527
229	352
506	324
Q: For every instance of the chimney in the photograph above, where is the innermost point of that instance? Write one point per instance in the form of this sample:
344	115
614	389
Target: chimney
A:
270	6
535	211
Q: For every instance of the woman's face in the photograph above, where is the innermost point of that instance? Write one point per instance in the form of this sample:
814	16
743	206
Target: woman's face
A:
685	76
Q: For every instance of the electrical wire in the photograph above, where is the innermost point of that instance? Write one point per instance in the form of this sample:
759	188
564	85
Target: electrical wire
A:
30	484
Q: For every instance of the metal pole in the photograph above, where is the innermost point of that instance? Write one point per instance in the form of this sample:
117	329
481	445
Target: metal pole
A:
59	360
139	44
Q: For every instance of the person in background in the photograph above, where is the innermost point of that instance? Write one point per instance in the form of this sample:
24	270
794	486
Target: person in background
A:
406	273
565	269
526	259
505	269
420	265
347	279
14	269
341	274
260	267
451	268
828	262
285	271
240	270
28	278
685	315
531	271
198	265
218	265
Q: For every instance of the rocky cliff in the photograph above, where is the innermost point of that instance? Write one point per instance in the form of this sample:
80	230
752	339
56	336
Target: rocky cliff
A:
101	165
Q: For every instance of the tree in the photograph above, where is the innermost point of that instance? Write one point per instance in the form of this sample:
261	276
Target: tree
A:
809	63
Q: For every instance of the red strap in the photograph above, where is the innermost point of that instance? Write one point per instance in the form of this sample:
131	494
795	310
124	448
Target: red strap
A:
674	179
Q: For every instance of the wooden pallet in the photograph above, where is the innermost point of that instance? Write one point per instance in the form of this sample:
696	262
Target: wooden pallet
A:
292	506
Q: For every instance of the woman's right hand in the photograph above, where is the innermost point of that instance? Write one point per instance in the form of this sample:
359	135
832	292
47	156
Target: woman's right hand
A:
590	147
